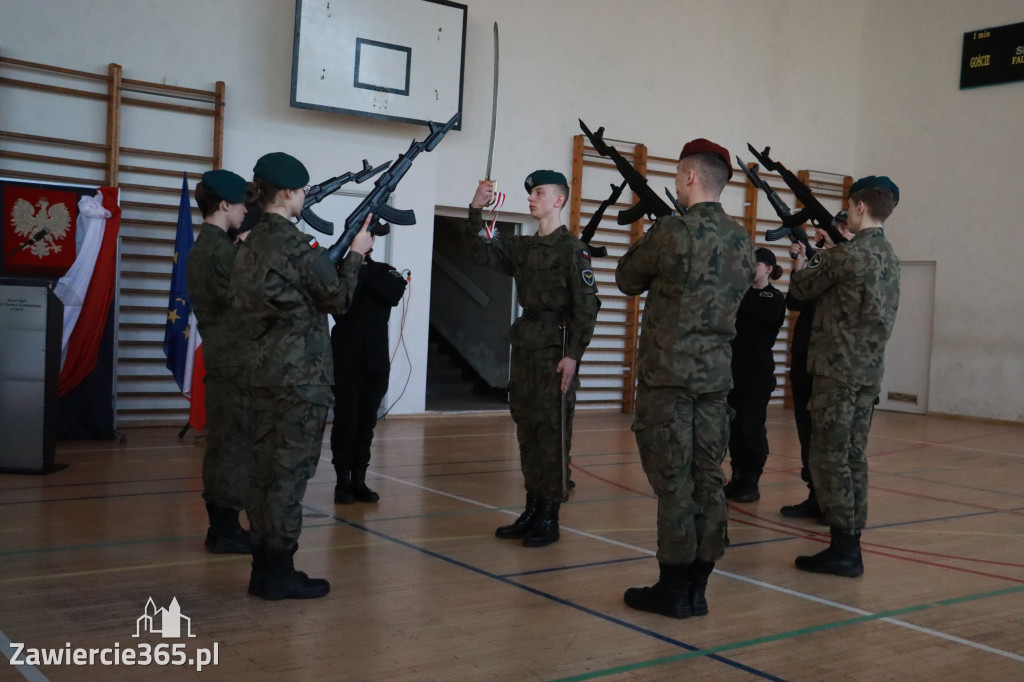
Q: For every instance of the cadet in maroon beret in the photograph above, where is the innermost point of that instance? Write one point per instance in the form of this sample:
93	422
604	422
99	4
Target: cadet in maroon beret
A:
695	269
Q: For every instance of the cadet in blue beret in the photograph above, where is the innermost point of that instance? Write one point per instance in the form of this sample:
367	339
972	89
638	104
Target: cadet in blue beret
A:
228	456
282	287
558	292
857	288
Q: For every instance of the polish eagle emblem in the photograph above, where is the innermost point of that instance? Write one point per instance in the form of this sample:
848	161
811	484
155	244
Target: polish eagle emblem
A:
29	219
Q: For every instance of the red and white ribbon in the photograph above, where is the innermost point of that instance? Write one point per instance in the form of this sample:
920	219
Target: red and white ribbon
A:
499	201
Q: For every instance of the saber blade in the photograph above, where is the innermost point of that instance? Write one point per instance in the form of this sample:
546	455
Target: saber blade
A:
494	105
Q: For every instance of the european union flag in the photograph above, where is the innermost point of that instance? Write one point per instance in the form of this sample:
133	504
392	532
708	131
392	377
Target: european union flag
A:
179	306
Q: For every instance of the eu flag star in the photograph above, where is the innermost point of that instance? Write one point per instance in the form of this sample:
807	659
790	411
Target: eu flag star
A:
172	316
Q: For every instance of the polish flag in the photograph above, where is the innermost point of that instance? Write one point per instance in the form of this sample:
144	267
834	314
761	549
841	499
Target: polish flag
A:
87	289
194	387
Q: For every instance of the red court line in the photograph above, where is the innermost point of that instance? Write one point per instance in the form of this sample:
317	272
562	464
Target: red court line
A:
949	501
787	529
820	536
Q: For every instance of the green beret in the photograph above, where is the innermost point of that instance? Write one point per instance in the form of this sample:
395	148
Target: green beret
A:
880	181
282	170
227	185
544	177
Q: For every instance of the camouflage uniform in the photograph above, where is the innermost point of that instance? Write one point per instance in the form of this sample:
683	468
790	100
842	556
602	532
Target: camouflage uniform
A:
552	273
857	287
696	269
282	289
227	461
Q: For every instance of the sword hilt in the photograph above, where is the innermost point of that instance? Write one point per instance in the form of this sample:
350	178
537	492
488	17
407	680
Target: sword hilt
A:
494	192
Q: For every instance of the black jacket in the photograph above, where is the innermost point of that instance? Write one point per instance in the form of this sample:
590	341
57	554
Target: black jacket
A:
360	336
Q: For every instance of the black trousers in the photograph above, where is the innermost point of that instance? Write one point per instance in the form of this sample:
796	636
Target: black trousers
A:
801	382
357	398
748	438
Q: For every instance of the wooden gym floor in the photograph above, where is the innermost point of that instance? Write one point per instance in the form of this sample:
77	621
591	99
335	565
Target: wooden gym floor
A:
421	590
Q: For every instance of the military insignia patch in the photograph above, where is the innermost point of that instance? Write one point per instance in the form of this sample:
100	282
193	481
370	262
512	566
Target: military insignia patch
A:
816	260
588	277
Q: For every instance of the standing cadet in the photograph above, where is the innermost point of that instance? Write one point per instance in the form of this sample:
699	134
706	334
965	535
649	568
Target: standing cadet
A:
553	276
282	287
696	269
761	313
800	380
228	457
362	366
857	287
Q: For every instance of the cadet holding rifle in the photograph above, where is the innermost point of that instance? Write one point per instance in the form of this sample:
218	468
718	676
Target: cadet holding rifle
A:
282	287
556	286
856	286
695	269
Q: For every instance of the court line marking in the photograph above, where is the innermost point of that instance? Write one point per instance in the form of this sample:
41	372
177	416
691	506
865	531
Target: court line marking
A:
751	581
29	672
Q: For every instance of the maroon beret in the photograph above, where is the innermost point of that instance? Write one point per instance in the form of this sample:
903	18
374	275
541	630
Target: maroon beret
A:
702	146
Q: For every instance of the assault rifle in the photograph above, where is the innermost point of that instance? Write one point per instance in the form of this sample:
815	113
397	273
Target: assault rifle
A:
375	202
595	220
317	193
650	203
796	232
812	211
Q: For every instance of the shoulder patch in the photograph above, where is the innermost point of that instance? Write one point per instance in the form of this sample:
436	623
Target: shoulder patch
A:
313	243
817	260
588	277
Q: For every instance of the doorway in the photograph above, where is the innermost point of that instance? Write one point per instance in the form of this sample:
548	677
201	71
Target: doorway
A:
471	308
908	355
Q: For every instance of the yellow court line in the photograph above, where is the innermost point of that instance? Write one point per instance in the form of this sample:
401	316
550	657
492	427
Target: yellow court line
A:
154	566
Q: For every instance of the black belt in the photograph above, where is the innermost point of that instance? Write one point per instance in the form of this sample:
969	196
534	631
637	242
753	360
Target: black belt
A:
553	316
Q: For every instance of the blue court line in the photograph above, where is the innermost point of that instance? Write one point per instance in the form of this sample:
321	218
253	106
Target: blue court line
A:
952	517
551	597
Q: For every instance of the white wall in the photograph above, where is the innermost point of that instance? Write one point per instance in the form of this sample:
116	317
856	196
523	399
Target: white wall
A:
786	73
958	157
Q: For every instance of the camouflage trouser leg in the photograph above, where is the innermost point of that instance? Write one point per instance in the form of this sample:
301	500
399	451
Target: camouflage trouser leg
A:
536	404
683	441
841	419
228	459
289	435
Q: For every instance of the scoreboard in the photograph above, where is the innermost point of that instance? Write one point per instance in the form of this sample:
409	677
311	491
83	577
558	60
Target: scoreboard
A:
992	56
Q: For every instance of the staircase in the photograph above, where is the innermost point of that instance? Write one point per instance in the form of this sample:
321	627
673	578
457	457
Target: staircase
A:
452	385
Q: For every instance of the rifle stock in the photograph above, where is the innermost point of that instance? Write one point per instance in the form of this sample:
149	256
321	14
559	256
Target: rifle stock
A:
376	202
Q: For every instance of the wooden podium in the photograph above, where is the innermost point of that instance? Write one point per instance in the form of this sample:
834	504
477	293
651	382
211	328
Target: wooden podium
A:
31	321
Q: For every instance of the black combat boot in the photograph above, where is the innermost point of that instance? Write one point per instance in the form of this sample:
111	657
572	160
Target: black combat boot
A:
808	509
841	557
225	535
735	482
359	490
343	488
258	575
748	490
699	573
670	596
521	526
282	581
544	530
